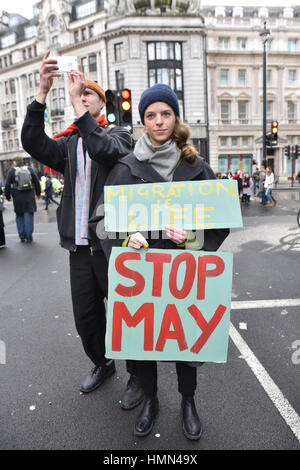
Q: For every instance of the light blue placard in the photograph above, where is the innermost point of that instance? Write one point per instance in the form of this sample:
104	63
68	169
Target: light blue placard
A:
190	205
137	304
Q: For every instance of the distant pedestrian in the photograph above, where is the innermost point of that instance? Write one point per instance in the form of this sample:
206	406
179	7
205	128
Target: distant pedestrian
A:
268	185
247	184
261	188
49	193
298	178
255	178
238	175
2	234
22	184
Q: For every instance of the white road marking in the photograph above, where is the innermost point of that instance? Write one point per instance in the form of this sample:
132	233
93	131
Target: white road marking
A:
286	410
246	304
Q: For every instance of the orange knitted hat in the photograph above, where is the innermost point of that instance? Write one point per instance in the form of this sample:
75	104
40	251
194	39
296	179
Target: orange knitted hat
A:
94	86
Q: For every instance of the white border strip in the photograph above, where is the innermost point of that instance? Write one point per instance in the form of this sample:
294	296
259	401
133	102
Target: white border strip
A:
246	304
288	413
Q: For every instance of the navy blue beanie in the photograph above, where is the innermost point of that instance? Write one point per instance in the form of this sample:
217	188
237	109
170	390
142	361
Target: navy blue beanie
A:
158	92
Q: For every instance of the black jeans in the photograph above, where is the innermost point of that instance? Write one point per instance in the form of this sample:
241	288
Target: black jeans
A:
186	376
89	287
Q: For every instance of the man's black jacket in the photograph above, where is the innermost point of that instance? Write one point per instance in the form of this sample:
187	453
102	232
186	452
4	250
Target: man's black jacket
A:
104	145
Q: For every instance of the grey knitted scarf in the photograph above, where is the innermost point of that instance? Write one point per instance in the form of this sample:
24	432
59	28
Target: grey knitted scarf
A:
163	158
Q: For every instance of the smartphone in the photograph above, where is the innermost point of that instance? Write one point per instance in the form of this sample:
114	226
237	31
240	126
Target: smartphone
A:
65	63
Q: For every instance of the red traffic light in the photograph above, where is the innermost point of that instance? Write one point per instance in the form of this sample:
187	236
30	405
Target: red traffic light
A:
125	94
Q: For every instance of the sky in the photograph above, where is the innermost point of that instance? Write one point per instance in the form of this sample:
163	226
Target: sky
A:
24	7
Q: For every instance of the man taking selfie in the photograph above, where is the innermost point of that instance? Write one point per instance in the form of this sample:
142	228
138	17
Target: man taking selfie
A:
84	153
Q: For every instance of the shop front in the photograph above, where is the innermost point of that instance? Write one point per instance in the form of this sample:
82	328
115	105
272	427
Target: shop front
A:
233	162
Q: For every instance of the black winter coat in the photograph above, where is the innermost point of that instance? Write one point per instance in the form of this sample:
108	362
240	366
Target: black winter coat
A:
24	201
104	145
130	171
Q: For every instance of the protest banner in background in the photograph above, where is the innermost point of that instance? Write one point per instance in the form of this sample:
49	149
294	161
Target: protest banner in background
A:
189	205
168	305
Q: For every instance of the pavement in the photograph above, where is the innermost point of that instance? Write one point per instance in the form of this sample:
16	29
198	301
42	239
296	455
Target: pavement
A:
249	403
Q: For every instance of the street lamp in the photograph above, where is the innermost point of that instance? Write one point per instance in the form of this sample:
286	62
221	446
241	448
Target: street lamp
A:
265	33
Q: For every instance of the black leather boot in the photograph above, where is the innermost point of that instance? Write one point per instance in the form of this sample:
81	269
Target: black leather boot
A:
97	376
145	421
191	424
133	394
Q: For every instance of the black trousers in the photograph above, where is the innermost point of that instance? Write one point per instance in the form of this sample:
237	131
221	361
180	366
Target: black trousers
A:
186	376
2	233
89	287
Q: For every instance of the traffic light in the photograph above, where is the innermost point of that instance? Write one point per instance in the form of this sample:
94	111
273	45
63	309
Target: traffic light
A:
287	151
125	109
269	140
297	151
112	109
274	132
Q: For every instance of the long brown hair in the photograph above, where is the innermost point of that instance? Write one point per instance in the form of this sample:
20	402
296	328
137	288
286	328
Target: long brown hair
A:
181	136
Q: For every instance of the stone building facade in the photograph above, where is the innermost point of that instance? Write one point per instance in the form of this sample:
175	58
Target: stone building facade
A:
119	44
235	85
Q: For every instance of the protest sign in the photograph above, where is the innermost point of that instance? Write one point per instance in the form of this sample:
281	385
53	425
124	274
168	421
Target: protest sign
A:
189	205
168	305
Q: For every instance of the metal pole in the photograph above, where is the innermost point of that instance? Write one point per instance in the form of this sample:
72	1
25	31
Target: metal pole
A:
265	34
264	104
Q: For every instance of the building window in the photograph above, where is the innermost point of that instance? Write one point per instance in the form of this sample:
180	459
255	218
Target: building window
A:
57	101
242	111
223	44
269	45
9	40
30	80
84	64
14	109
241	44
292	45
224	77
269	78
91	31
36	78
76	36
225	112
242	77
30	31
223	141
165	66
269	110
55	41
234	141
119	52
86	9
291	111
245	141
12	87
53	21
84	34
120	79
92	63
292	75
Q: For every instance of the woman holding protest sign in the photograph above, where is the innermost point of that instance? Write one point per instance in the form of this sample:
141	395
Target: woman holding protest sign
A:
163	154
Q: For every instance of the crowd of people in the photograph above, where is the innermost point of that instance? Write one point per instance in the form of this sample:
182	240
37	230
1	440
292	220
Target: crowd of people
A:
259	184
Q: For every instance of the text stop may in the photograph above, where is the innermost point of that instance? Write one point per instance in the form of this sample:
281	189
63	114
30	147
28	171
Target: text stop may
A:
167	291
